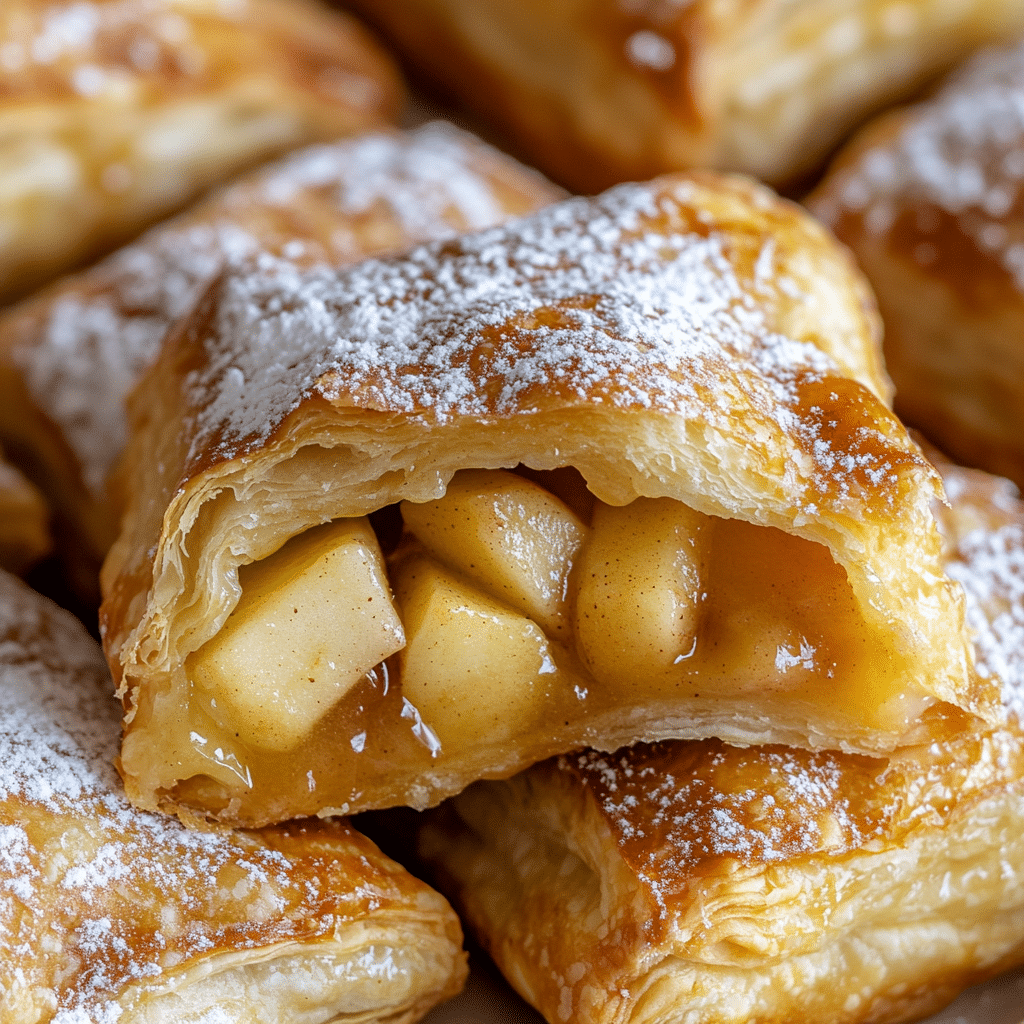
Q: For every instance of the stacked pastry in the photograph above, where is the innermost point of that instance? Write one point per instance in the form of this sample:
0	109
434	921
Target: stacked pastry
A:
596	92
930	199
115	114
111	914
791	591
398	519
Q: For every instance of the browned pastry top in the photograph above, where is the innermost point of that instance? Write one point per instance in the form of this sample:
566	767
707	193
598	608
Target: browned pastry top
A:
943	182
630	300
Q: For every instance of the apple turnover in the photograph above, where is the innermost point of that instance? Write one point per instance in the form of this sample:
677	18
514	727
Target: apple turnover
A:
597	92
70	355
114	114
931	201
108	913
619	470
24	521
708	884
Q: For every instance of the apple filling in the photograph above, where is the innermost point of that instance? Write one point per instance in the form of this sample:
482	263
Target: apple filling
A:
314	619
510	623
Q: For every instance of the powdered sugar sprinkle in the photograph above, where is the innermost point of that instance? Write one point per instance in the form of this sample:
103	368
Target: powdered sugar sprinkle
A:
623	300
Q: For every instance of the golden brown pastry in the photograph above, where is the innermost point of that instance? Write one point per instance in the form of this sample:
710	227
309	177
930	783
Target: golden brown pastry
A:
703	883
931	201
70	355
114	114
716	525
112	914
24	521
599	91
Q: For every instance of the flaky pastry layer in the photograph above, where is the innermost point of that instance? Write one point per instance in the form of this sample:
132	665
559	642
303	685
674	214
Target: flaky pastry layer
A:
114	114
694	339
597	92
70	355
108	913
702	883
930	200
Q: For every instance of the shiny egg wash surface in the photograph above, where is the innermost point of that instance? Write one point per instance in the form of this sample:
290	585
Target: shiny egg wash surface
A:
526	616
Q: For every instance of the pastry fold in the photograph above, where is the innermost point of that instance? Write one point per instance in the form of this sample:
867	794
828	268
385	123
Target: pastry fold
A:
703	883
595	92
115	114
70	355
931	202
108	913
24	521
686	374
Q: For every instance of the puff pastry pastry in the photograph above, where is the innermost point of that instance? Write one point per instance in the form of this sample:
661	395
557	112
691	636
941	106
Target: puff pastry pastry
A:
703	883
599	91
752	553
930	199
24	521
70	355
108	913
114	114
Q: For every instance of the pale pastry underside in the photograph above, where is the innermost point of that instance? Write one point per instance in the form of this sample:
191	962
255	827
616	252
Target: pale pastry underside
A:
624	350
110	913
598	93
122	113
709	884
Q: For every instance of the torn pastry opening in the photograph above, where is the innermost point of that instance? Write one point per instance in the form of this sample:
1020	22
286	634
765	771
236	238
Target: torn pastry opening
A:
515	615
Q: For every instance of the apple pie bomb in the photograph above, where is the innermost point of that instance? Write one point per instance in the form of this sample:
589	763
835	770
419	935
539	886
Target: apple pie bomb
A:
623	469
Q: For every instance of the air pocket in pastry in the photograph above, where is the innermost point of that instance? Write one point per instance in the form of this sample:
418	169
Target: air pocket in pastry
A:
620	470
114	114
703	883
70	355
108	913
596	91
930	199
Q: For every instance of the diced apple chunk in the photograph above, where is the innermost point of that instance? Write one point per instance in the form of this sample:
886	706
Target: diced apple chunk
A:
641	589
474	668
514	539
313	619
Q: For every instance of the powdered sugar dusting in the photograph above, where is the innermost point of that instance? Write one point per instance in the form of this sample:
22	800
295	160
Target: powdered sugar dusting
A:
430	180
990	567
90	47
790	803
85	345
626	299
963	153
100	334
119	894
